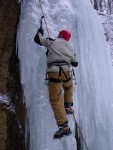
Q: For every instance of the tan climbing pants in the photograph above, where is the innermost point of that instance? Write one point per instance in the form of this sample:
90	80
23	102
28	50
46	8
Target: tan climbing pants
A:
57	98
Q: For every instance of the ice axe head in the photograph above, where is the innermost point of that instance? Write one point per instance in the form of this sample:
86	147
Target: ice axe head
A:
42	17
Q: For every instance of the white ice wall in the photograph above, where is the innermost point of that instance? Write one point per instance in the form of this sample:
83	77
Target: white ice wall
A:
95	79
40	119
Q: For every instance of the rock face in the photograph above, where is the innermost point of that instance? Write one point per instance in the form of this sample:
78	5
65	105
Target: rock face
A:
3	129
8	21
11	135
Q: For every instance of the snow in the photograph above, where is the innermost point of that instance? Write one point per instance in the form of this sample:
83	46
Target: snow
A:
6	101
93	97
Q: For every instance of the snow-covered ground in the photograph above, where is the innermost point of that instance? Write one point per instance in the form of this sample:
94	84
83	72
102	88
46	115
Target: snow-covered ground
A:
93	97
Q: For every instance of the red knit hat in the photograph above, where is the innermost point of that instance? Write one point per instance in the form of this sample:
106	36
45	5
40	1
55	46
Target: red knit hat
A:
65	34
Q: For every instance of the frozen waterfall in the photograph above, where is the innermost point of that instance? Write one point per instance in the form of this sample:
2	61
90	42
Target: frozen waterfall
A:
94	91
95	79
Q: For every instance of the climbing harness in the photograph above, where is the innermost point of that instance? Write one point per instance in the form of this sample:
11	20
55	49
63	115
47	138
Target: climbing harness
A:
60	65
44	17
78	131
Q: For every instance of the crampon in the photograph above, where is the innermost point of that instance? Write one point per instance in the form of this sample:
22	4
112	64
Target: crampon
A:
62	132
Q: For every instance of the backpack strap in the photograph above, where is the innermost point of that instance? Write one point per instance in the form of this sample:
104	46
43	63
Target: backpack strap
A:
49	45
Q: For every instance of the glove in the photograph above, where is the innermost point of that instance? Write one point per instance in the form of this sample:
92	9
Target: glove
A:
37	39
40	30
74	64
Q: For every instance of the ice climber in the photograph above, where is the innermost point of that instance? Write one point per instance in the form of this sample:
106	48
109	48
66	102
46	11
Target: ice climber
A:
60	59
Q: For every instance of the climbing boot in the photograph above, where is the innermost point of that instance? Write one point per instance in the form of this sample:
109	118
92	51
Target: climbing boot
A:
63	130
69	110
68	107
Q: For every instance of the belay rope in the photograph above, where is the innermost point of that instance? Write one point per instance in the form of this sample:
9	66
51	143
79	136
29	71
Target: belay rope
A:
44	17
76	124
77	129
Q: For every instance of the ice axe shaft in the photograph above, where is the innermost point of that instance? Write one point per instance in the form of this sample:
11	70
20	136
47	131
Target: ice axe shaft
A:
41	22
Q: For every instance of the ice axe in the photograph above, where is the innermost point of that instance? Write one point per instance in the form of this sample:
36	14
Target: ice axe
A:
41	22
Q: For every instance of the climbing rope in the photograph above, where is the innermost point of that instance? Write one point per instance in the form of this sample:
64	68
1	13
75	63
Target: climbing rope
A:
44	17
76	125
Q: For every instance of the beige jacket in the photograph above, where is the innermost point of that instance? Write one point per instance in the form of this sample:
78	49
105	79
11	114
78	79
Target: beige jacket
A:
59	50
